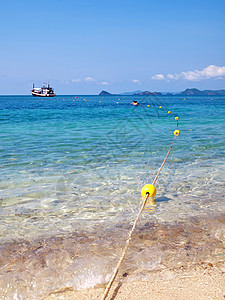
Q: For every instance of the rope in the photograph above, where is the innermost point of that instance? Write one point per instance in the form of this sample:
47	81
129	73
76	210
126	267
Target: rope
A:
132	230
164	161
124	251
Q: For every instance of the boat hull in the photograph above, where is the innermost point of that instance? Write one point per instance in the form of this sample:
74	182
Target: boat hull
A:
35	94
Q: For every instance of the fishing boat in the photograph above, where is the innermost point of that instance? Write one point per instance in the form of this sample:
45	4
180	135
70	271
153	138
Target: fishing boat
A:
44	91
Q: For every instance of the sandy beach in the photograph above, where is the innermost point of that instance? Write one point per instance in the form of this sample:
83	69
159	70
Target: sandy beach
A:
180	261
193	270
202	281
185	260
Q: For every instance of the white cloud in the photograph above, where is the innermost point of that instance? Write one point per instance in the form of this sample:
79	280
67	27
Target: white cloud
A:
89	79
76	80
104	82
211	71
207	73
171	76
158	77
136	81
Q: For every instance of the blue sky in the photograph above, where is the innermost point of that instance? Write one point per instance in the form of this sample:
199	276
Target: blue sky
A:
83	47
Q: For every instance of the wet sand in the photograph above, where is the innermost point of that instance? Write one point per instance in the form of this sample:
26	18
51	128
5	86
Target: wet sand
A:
205	281
192	267
181	260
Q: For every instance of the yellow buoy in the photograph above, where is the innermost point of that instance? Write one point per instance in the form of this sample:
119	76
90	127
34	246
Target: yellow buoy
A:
160	107
148	189
169	112
148	105
176	118
117	102
176	132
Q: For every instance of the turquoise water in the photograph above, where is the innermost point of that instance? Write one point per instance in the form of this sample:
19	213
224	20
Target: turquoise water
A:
77	165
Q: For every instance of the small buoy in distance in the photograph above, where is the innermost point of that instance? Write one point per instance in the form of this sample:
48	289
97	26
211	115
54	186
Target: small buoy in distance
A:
100	101
176	118
169	112
148	189
160	107
176	132
117	102
148	105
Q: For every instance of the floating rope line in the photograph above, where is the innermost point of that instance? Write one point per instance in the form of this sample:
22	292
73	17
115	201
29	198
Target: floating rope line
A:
164	159
148	191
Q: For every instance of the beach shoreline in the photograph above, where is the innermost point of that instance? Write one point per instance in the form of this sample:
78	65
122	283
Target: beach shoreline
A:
166	259
196	269
196	281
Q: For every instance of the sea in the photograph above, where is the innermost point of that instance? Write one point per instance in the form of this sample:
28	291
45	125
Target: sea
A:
71	173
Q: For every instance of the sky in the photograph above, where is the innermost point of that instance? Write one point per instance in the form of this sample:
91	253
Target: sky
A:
85	46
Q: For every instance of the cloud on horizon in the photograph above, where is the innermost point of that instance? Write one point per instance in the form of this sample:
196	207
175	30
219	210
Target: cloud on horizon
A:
209	72
158	77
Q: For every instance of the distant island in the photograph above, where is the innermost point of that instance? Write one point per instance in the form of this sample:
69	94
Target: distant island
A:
104	93
148	93
196	92
187	92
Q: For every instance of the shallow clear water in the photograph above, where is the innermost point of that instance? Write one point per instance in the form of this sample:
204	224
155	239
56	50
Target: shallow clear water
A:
74	167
